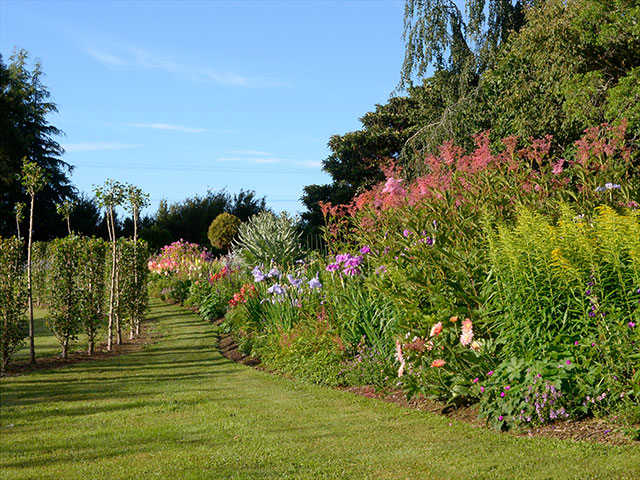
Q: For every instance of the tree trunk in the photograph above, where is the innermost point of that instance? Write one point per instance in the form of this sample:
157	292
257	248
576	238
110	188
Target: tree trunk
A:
134	319
18	227
113	280
91	346
32	347
69	225
117	310
65	348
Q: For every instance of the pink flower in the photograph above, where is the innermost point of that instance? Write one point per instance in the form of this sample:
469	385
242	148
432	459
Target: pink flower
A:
436	329
502	394
467	326
475	380
466	337
489	373
500	417
481	389
438	363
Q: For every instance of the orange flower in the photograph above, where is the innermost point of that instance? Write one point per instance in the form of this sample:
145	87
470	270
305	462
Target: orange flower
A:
438	363
436	329
453	319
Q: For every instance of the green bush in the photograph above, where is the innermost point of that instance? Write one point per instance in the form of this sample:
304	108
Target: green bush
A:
65	317
223	230
13	298
92	277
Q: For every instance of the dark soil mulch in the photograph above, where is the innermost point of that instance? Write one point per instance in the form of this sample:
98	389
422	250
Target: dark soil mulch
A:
589	429
147	336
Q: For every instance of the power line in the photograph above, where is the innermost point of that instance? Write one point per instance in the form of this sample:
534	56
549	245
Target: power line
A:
197	168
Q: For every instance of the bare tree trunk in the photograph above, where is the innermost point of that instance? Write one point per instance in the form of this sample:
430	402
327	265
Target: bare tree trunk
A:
18	227
65	348
135	320
113	278
91	346
69	225
117	309
32	347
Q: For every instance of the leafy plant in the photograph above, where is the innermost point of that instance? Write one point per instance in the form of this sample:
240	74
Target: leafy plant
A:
223	230
267	238
13	295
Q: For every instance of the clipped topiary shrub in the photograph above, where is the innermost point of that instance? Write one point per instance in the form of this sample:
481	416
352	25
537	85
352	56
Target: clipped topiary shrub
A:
269	238
223	230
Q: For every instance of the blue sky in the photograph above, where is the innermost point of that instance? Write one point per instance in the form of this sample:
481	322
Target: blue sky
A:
181	97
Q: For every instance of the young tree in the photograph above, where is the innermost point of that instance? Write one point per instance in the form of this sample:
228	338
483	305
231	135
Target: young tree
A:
110	195
34	179
64	210
91	277
19	209
64	317
137	201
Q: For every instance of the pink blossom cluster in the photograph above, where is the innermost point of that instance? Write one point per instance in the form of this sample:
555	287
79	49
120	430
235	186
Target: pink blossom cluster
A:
180	258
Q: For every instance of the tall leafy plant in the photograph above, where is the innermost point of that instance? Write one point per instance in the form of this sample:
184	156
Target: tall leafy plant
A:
91	276
13	298
110	195
64	317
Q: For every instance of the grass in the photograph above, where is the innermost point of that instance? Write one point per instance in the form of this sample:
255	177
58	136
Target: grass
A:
177	409
46	343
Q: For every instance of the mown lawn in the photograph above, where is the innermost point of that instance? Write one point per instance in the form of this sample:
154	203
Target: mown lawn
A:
179	410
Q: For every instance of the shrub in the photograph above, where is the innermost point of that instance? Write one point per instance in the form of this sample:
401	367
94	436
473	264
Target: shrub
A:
64	317
13	298
267	238
92	278
223	230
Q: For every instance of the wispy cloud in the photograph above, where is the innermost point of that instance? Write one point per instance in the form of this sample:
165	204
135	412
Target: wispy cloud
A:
132	56
260	157
95	146
166	126
255	160
251	153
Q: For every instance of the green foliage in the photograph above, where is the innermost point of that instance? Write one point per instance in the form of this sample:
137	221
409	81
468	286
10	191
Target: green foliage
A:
26	133
223	230
64	316
13	298
190	219
133	273
267	238
91	276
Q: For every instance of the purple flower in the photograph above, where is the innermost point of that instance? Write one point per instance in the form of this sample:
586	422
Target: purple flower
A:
406	232
500	417
381	269
353	261
332	267
502	394
343	257
276	289
258	276
351	271
296	282
490	373
576	342
273	273
315	283
364	250
631	324
568	362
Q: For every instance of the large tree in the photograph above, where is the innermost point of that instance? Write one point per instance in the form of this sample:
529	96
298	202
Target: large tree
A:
27	133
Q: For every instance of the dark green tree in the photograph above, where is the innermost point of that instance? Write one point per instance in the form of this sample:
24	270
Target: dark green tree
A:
223	231
27	133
